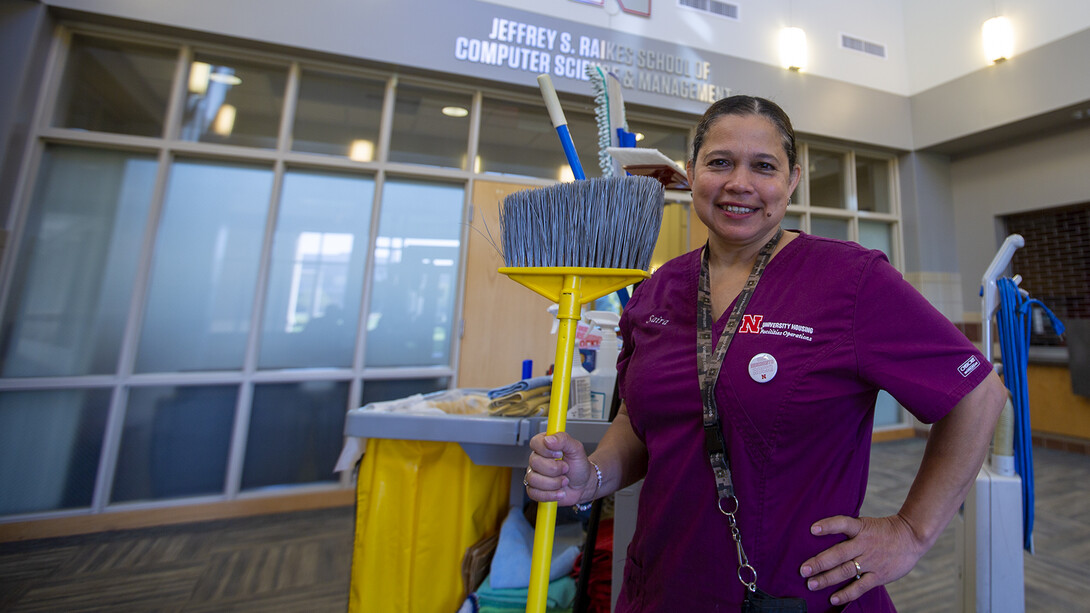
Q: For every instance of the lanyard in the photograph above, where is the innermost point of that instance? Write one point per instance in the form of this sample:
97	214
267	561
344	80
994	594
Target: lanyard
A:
709	366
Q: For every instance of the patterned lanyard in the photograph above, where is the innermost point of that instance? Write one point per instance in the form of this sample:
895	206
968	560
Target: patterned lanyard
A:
709	366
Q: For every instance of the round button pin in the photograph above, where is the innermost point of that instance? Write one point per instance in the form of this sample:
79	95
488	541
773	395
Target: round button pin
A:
763	367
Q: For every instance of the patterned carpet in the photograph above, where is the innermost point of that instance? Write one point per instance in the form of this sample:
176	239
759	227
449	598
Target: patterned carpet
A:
300	561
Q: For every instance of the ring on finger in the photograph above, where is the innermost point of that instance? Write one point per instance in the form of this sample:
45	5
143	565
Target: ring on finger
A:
528	471
858	569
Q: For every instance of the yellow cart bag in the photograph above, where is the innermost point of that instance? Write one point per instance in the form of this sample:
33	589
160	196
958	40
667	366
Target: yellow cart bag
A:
419	506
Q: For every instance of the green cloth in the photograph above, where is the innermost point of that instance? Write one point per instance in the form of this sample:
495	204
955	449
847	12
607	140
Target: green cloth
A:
559	598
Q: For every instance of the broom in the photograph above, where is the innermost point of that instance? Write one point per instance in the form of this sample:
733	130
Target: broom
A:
573	243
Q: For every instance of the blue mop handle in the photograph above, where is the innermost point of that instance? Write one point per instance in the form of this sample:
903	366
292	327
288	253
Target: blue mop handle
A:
556	115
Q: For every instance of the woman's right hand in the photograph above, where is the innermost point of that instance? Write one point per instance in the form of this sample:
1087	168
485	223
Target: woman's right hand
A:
559	470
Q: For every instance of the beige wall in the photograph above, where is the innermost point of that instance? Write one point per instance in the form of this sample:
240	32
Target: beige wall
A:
1046	172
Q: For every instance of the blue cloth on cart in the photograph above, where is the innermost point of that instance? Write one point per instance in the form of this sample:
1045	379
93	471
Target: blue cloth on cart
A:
514	552
521	386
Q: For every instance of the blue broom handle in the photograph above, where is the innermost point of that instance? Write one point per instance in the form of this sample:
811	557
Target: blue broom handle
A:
556	115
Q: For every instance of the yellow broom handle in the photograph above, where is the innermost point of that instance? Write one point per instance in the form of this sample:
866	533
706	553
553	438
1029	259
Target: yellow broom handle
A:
569	315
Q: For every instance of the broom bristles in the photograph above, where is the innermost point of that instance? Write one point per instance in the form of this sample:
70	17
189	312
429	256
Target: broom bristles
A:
610	222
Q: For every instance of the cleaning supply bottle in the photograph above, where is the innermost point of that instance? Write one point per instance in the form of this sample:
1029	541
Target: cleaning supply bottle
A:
579	404
605	369
579	399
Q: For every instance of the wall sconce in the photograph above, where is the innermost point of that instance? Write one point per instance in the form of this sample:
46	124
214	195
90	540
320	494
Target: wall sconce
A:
224	123
793	49
998	39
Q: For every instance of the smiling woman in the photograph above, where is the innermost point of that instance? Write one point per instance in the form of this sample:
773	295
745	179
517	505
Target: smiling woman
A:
775	412
742	180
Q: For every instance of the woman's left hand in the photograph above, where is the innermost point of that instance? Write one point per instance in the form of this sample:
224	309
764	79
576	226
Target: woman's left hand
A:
879	550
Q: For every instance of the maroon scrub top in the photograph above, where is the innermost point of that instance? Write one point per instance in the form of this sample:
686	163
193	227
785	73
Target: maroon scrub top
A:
829	325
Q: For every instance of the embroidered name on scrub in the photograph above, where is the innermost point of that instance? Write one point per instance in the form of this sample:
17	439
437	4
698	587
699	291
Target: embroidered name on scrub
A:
763	367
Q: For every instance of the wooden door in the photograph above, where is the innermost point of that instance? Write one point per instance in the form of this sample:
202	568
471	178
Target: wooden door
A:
505	323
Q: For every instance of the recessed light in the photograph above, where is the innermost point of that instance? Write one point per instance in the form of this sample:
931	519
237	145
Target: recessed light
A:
455	111
224	77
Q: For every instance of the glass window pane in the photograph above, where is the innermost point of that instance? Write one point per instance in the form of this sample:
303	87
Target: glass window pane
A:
877	235
518	139
175	442
76	264
296	433
204	270
584	133
826	169
424	134
394	389
110	86
233	101
338	115
872	184
887	411
829	227
792	221
50	443
317	270
670	141
416	274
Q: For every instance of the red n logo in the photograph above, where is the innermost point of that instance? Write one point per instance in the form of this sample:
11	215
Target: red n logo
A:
751	324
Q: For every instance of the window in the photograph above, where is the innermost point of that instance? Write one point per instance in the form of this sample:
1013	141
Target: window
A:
231	259
77	263
204	269
416	265
210	292
110	86
431	127
233	102
848	195
338	114
50	444
517	138
317	270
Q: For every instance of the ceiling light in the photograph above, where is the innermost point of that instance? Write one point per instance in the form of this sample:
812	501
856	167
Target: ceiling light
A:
639	136
199	73
361	150
793	49
228	78
224	123
455	111
998	39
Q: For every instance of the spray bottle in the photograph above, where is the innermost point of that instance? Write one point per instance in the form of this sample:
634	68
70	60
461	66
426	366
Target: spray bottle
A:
605	368
579	400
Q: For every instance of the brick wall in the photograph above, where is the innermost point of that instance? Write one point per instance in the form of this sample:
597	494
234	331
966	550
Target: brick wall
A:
1055	263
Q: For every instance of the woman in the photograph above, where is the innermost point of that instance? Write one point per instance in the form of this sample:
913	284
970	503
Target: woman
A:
827	325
